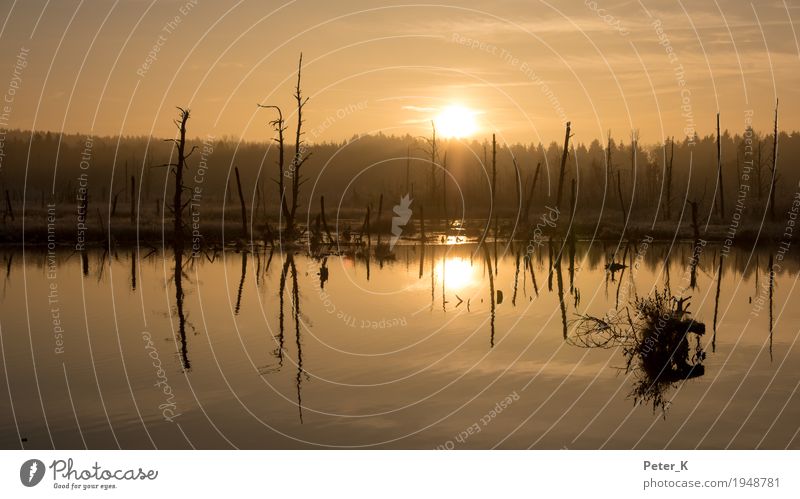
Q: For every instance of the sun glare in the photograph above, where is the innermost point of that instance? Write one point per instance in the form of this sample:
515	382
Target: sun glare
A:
456	122
457	273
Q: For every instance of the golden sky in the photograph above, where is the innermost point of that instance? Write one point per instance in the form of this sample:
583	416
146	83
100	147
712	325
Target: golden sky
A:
521	67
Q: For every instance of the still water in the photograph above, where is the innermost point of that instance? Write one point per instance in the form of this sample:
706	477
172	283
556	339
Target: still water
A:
437	347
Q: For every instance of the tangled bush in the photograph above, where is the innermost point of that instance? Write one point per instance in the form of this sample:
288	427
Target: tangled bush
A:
656	335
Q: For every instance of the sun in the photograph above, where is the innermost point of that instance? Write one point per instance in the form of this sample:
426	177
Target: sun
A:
456	122
457	273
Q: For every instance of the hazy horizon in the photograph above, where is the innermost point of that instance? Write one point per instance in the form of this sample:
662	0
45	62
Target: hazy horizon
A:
659	67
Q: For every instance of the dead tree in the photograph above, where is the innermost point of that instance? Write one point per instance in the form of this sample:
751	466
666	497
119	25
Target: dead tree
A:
114	201
494	171
324	220
695	227
774	165
177	169
518	179
634	161
529	199
444	192
621	200
245	231
759	165
668	175
9	209
562	171
379	220
300	157
408	169
133	200
492	194
572	208
719	174
280	127
609	169
432	145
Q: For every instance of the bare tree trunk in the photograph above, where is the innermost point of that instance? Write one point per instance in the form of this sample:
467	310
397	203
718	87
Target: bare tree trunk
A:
177	199
133	199
366	228
572	205
408	169
444	193
634	157
422	223
299	156
102	224
609	169
114	203
432	187
529	200
280	127
518	180
774	165
324	220
378	219
492	194
245	231
9	209
669	177
759	180
562	171
621	200
494	172
719	174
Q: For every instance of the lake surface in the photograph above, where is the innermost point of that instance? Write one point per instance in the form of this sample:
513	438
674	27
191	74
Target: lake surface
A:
446	346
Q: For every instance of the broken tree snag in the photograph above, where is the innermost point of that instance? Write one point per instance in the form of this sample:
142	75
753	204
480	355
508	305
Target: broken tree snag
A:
444	192
719	174
9	210
562	170
280	127
530	194
365	229
114	201
774	165
668	175
177	170
432	143
518	181
133	199
493	188
378	220
621	200
494	171
245	231
572	211
300	156
324	220
422	223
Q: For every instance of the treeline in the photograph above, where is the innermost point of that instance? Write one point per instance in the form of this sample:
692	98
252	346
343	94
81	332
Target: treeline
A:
615	175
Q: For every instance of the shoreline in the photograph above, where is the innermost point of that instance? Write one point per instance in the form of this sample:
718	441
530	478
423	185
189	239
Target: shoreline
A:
223	233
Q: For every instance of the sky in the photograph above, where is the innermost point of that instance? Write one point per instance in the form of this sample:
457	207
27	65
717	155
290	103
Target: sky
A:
521	68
